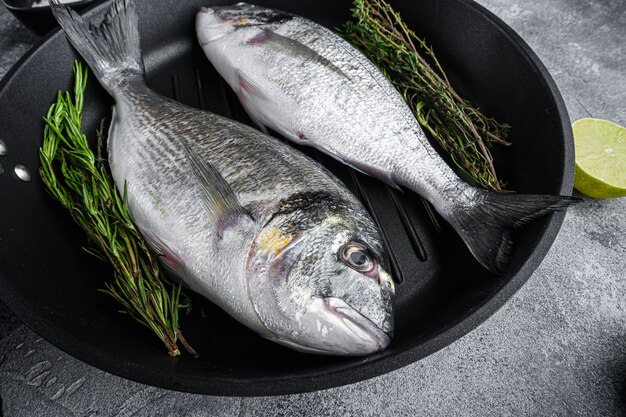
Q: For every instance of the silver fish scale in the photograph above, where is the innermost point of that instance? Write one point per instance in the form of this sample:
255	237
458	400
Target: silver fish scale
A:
164	198
377	100
382	138
236	214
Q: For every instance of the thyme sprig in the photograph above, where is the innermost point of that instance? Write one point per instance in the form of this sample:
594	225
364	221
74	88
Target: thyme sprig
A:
411	65
81	182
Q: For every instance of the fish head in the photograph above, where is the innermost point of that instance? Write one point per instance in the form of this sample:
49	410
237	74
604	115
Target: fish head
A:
213	23
321	285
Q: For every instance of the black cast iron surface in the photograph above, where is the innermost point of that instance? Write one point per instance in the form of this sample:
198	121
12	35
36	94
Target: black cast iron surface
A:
51	284
40	19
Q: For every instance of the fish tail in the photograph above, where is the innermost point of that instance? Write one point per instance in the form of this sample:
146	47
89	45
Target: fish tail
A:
112	50
486	227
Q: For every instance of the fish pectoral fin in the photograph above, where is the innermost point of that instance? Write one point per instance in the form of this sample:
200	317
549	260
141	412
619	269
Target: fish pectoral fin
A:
220	202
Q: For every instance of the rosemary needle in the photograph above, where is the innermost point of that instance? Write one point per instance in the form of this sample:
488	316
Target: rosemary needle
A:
81	182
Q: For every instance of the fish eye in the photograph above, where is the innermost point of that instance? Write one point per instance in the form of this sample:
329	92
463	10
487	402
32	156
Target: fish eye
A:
357	257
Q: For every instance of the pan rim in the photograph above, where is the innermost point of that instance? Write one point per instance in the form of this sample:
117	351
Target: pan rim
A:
327	378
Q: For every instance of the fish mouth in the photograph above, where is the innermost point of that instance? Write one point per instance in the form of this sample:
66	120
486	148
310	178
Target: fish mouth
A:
210	26
373	338
363	336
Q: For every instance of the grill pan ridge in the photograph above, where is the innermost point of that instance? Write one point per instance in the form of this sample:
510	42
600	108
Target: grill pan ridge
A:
442	292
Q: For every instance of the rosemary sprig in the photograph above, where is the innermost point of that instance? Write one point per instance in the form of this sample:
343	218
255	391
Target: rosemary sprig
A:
81	182
411	65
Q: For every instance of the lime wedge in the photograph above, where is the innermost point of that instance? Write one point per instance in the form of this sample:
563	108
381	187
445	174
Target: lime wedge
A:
600	158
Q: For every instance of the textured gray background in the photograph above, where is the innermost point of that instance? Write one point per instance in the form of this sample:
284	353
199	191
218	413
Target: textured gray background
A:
557	347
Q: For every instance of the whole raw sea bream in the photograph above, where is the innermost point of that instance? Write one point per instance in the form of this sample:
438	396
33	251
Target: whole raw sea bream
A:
305	82
248	222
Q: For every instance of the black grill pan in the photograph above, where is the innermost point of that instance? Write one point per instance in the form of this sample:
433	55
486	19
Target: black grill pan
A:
51	284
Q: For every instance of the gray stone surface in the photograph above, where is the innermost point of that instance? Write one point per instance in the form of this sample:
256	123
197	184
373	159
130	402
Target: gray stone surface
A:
558	347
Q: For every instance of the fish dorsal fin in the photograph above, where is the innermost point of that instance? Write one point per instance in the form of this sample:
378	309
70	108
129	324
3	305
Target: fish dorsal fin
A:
219	200
285	44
